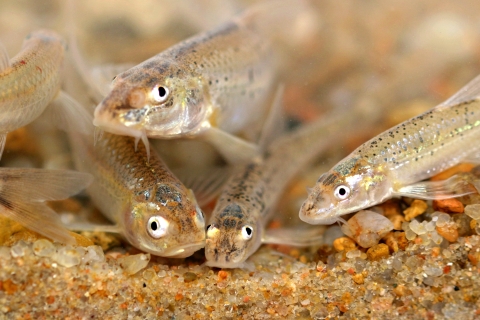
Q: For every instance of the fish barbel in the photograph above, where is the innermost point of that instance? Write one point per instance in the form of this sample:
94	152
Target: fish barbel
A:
393	163
149	205
237	225
214	84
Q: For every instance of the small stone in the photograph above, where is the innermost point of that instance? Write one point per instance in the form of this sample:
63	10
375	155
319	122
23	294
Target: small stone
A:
401	291
354	254
391	242
417	227
473	211
189	277
377	252
43	248
305	302
149	274
436	238
440	218
358	278
134	263
94	254
391	208
67	257
367	228
449	232
416	208
463	224
344	244
19	249
397	221
448	205
222	275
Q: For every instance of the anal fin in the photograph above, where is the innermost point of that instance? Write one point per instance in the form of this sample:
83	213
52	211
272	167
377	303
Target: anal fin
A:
235	150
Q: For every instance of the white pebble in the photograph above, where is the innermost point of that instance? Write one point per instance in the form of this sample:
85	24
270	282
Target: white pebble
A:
442	218
67	257
436	238
43	248
367	228
134	263
417	227
305	302
473	211
94	254
19	249
352	254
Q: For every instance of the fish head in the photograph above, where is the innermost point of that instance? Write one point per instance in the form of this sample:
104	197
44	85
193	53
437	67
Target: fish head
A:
165	222
161	99
350	186
232	238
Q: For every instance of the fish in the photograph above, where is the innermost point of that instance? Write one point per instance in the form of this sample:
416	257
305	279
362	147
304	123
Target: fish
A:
395	162
236	228
212	85
23	192
30	81
148	205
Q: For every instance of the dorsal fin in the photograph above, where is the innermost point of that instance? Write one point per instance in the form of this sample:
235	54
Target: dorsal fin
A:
4	59
470	91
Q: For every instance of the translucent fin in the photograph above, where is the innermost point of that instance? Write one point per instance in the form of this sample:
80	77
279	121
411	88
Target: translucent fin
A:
3	139
205	183
69	115
455	186
97	136
297	237
234	149
4	59
91	227
275	123
37	217
469	92
31	185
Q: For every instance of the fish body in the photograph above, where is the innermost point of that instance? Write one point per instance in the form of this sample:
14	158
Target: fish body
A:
30	80
388	164
149	205
237	224
218	79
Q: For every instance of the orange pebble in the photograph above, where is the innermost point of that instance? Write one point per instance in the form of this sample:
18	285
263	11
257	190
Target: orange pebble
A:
448	205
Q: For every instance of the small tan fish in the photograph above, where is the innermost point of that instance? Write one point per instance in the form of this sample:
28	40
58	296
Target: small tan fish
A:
213	85
393	163
30	81
24	190
149	206
237	225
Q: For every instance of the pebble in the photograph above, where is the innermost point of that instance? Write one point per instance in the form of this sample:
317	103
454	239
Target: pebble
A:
19	249
5	253
397	221
134	263
67	256
378	252
344	244
189	277
473	211
43	248
448	205
358	278
448	231
367	228
417	207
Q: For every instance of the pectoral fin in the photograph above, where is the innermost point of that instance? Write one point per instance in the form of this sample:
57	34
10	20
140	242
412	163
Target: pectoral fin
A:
455	186
234	149
92	227
296	237
274	125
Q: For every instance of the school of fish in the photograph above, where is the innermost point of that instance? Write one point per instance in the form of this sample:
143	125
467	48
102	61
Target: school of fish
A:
216	86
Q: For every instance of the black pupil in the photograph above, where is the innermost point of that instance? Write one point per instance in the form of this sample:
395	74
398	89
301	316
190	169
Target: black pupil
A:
249	231
342	191
154	225
208	227
162	92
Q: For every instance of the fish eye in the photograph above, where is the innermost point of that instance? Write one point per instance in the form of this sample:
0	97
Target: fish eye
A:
157	226
247	232
341	192
160	93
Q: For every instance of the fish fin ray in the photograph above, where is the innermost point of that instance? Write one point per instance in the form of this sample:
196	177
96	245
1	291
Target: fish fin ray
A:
206	184
69	115
37	217
274	125
296	237
3	140
4	59
469	92
92	227
31	185
235	150
456	186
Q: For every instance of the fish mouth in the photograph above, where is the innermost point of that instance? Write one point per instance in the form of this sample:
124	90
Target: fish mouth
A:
184	251
117	129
